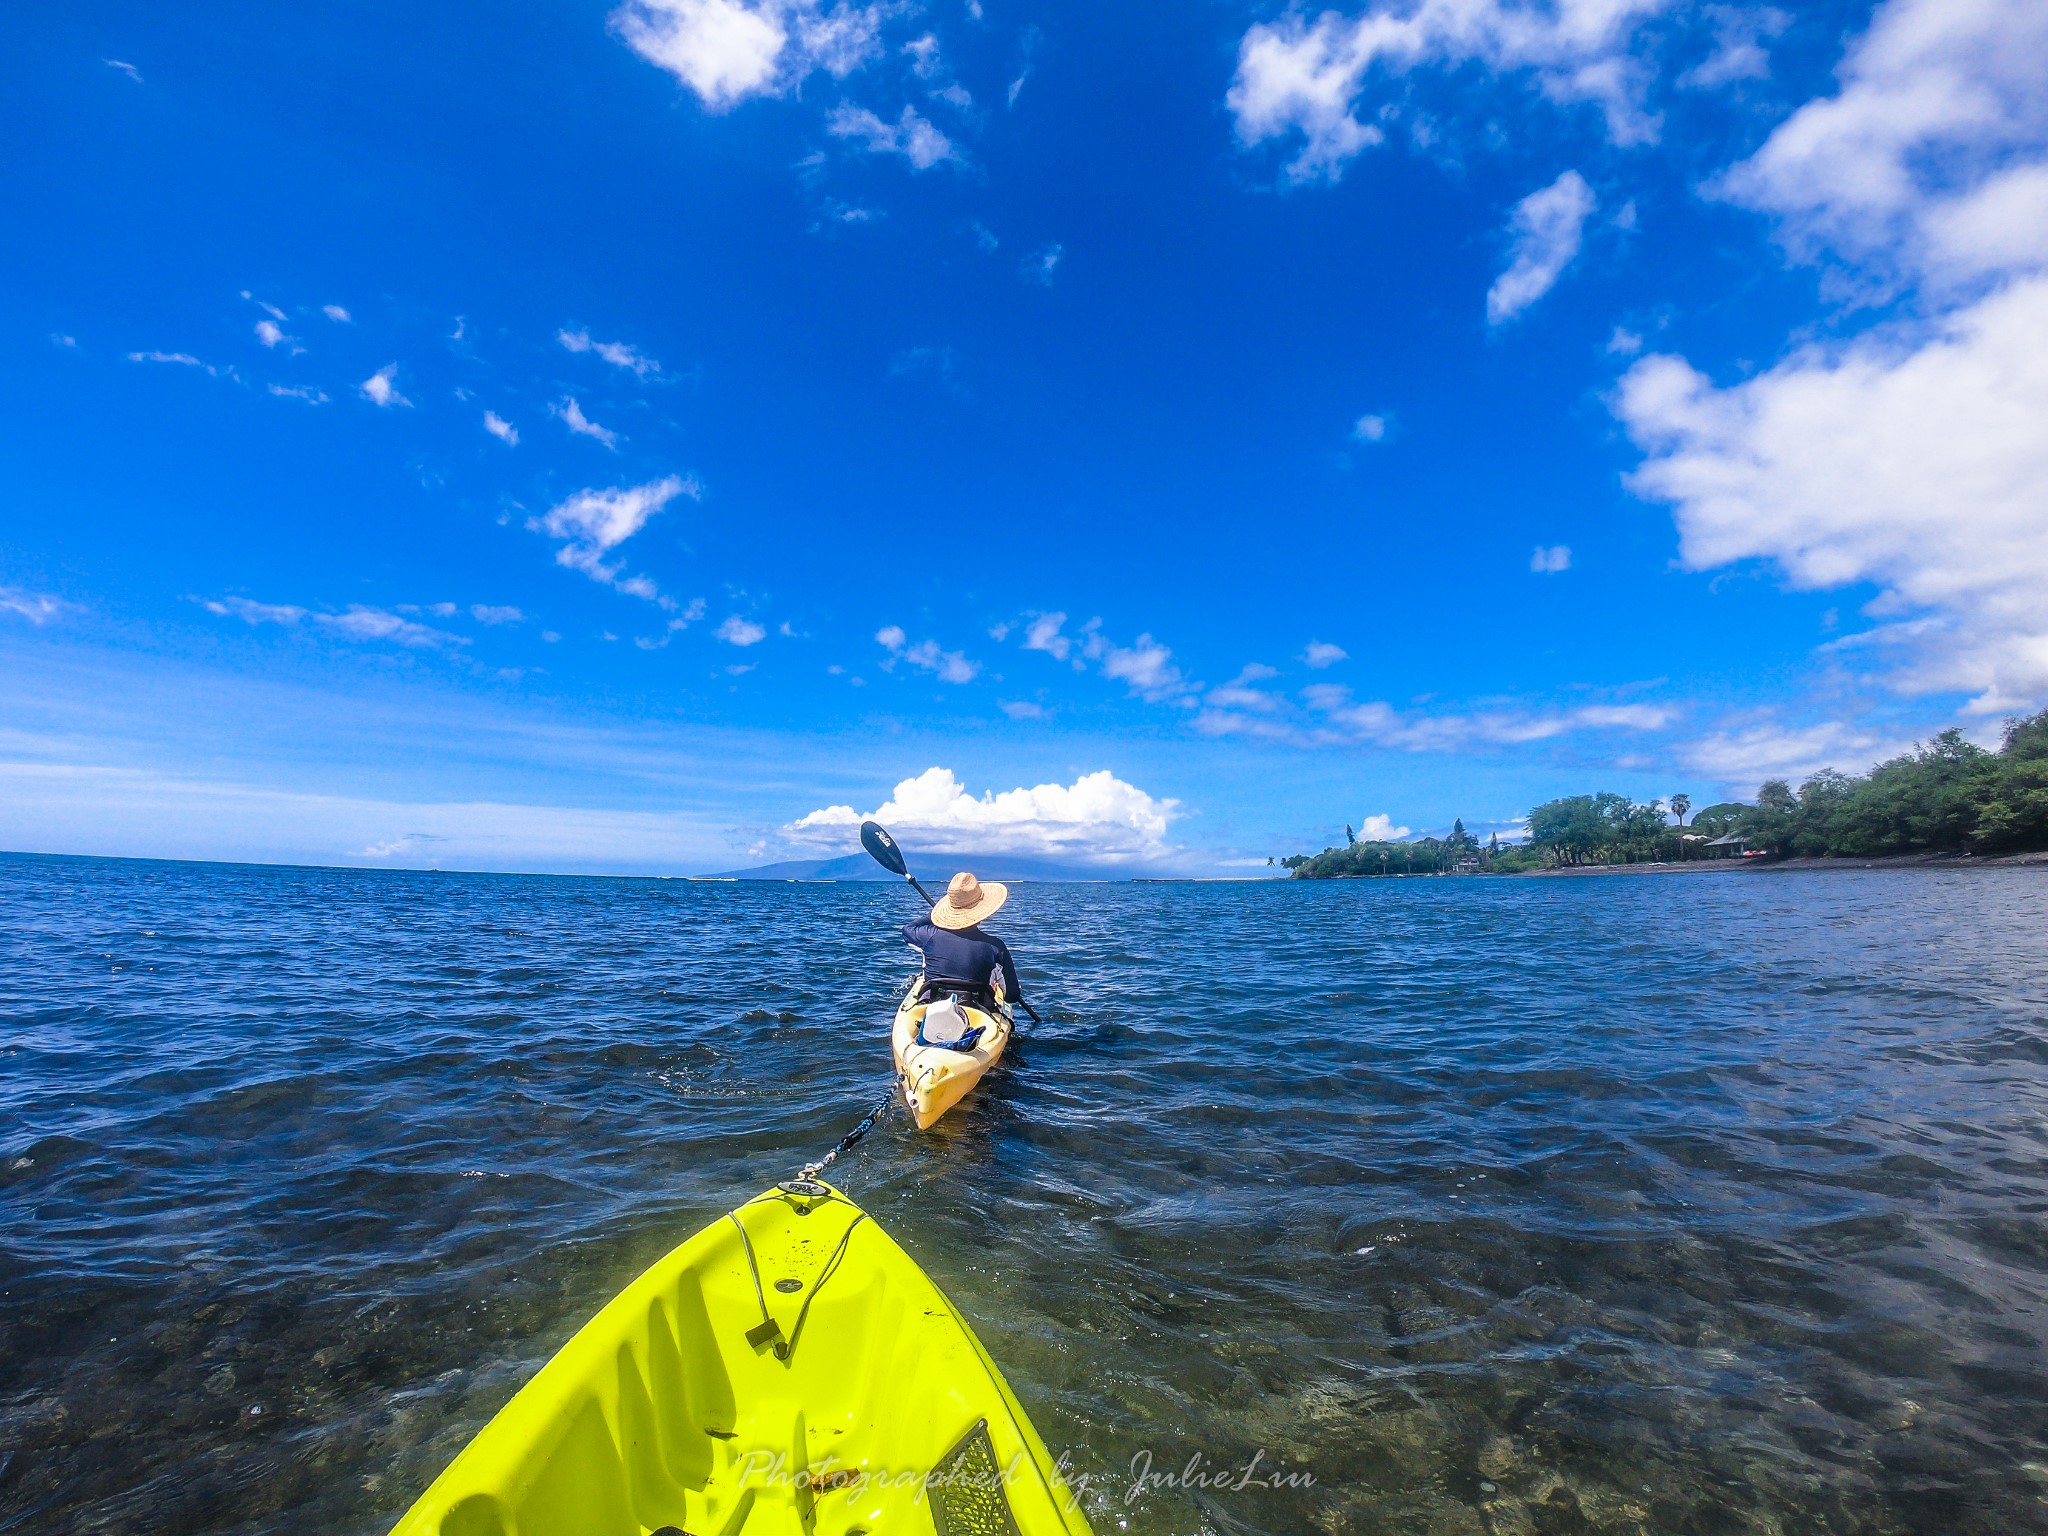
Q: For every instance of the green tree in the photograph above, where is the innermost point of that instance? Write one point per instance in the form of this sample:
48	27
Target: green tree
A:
1680	804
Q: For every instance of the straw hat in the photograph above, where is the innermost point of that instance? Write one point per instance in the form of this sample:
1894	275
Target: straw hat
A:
967	901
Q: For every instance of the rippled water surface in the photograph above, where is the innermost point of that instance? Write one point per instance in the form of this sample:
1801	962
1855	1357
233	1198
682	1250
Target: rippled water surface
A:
1663	1204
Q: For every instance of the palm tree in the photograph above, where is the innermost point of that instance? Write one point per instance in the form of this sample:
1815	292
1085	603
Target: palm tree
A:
1680	806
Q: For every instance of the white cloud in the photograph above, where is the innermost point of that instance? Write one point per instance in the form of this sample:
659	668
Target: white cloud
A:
358	621
1338	721
1042	263
501	429
1097	817
911	135
271	334
1740	33
1321	653
305	392
592	523
1932	159
1242	692
379	389
1021	709
1549	559
1295	76
180	359
729	50
570	413
1624	342
1043	634
617	353
37	607
1380	829
250	612
125	68
723	50
741	632
1369	429
337	314
1740	759
1547	227
496	613
947	666
1914	460
1145	667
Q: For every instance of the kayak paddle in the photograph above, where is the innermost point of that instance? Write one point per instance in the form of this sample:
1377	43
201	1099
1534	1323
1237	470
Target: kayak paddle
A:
876	839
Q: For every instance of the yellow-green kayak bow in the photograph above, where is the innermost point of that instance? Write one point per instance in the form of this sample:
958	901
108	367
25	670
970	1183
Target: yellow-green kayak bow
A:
787	1370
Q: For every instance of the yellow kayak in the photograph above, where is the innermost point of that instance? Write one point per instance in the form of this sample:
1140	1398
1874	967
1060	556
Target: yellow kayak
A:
788	1371
936	1077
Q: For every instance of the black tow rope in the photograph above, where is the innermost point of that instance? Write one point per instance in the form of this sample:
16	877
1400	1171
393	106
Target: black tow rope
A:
846	1143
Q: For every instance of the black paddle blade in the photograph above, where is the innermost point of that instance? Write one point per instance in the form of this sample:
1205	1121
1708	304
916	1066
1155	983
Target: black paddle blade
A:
876	839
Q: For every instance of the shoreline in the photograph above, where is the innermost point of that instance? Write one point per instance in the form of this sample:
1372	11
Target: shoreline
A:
1758	866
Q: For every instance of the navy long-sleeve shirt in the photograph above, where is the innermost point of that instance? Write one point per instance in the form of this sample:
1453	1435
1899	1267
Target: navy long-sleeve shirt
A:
965	956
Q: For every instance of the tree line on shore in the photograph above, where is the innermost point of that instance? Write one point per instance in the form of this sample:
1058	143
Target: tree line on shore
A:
1947	795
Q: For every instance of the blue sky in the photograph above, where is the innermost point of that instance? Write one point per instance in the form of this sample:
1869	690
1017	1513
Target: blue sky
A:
647	436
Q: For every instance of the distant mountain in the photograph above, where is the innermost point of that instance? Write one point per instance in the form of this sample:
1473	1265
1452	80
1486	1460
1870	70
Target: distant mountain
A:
934	869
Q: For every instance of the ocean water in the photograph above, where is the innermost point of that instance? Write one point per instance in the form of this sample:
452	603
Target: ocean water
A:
1701	1204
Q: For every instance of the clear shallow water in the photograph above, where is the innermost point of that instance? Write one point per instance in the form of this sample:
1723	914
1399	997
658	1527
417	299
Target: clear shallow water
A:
1679	1204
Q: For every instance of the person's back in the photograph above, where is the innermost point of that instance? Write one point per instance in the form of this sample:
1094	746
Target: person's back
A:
957	952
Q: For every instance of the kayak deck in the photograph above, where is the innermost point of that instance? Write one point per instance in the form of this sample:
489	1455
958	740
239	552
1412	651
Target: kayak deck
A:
936	1077
862	1403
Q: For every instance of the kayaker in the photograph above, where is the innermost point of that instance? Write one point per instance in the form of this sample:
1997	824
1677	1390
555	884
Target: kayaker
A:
958	955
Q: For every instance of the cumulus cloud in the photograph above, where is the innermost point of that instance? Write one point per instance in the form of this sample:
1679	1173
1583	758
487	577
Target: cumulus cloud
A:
1043	634
271	334
496	613
379	388
1911	458
337	314
592	523
740	631
1932	160
1321	653
1547	227
1380	828
912	136
1306	78
926	655
570	413
617	353
1369	429
1145	666
729	50
501	429
1914	462
1097	817
1549	559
